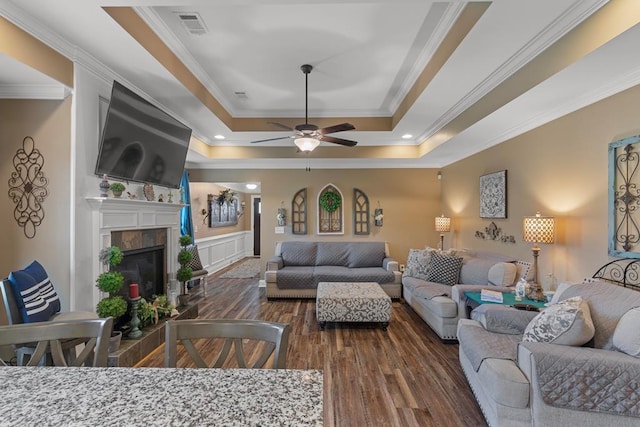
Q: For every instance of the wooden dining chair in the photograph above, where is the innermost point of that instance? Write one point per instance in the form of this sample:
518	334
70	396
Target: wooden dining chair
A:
274	336
50	337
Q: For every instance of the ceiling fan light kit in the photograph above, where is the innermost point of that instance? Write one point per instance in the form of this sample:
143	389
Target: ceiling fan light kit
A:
308	136
306	144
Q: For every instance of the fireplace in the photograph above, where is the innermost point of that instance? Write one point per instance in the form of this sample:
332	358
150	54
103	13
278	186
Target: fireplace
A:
146	267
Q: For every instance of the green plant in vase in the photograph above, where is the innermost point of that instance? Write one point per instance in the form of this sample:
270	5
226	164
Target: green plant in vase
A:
117	188
111	282
185	273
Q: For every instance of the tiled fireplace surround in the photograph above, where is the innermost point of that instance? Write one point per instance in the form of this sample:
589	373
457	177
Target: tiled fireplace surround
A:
135	224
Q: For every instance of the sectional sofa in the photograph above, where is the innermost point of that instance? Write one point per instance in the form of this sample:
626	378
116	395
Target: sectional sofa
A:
575	364
439	299
298	266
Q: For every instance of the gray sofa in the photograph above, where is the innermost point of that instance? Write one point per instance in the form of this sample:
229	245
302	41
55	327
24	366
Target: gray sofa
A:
518	383
441	305
298	266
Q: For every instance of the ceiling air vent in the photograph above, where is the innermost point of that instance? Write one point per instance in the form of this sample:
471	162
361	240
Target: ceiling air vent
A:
241	95
192	22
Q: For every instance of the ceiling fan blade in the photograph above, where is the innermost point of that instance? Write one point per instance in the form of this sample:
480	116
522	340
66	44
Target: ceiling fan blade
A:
271	139
337	128
345	142
280	125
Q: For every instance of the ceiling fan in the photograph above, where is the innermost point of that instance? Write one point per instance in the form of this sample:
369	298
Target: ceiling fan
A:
308	136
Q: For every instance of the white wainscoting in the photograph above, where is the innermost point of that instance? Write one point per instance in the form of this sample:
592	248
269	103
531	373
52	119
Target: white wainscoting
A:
219	252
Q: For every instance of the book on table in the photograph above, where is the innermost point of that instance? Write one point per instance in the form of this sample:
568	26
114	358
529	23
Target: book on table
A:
490	296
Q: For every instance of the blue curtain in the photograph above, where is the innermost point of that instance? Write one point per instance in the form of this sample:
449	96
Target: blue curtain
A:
186	223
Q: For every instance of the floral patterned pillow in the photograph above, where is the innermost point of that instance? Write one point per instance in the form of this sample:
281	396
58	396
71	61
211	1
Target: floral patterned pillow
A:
566	323
418	263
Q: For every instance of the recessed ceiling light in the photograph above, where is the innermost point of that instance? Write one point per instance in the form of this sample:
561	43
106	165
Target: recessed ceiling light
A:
407	136
251	186
218	136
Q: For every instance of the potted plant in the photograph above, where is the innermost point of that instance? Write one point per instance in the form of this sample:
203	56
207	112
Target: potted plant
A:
110	282
117	188
185	273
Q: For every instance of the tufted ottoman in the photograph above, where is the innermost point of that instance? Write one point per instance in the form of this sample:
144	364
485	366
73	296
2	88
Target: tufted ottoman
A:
352	302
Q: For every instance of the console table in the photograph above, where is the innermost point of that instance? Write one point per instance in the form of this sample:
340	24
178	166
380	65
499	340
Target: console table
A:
160	396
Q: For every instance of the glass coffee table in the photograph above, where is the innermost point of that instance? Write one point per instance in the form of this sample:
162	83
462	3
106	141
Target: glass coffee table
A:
508	300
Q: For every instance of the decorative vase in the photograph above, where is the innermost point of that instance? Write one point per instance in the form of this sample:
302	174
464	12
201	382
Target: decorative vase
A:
116	193
114	341
104	186
147	189
183	299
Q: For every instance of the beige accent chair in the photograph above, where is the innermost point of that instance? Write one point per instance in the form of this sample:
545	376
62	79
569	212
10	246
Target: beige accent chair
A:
275	336
52	336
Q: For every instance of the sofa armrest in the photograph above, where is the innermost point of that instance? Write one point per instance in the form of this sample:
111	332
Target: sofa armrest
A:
503	320
390	264
580	378
275	263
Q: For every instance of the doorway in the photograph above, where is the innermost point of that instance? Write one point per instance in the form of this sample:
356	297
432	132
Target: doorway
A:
255	223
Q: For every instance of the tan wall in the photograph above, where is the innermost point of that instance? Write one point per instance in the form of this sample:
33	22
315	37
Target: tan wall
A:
49	123
559	169
410	199
198	192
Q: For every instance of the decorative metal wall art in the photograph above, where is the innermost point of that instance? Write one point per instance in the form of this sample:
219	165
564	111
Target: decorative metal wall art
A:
493	232
27	187
493	195
624	198
360	212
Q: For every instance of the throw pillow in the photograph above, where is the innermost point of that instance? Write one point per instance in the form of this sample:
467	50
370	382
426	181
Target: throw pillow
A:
502	274
195	263
566	323
33	307
444	269
626	337
37	271
418	263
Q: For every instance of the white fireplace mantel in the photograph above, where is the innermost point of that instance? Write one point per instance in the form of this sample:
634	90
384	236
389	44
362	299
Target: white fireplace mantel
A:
112	214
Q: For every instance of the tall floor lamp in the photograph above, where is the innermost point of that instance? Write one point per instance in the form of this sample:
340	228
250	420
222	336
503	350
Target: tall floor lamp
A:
443	225
537	229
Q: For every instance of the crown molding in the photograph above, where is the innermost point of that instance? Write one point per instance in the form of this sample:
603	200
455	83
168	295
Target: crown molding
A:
573	15
28	91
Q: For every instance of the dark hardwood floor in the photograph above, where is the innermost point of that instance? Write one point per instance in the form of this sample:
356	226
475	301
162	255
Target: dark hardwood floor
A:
402	377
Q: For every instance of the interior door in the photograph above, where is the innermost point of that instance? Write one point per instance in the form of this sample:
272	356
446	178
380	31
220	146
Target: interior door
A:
256	226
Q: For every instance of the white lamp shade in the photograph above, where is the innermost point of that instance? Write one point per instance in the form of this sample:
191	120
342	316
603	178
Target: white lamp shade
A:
443	224
307	144
538	228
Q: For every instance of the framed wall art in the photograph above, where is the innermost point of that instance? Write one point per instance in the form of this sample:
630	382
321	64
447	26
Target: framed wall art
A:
493	195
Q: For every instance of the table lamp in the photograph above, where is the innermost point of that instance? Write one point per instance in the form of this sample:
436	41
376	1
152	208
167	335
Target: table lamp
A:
537	229
443	225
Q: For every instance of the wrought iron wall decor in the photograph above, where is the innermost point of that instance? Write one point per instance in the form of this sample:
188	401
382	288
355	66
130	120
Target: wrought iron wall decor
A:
624	198
299	212
27	187
493	232
493	195
360	212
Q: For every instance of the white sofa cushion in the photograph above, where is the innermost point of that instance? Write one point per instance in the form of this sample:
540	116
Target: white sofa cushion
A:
626	337
502	274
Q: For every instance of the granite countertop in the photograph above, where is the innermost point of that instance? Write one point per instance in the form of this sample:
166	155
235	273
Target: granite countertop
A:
59	396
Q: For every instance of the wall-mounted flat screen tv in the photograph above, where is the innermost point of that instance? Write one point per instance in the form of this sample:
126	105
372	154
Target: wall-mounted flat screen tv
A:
140	142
